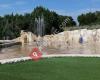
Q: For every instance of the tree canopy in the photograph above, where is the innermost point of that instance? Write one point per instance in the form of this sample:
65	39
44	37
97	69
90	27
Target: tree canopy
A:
12	24
90	18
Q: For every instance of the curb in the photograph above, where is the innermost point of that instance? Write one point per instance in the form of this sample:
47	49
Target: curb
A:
14	60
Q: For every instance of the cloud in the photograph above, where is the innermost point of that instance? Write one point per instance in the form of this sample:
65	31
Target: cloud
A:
22	11
76	13
26	11
20	2
4	5
61	12
86	11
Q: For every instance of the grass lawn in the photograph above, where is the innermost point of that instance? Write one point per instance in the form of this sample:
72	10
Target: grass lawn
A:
53	69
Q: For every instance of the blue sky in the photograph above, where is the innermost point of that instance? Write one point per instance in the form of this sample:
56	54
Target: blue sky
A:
65	7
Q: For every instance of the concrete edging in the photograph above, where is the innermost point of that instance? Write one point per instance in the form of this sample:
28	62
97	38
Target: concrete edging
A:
14	60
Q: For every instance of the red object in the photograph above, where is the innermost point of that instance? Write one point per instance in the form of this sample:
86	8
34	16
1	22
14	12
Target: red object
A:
35	54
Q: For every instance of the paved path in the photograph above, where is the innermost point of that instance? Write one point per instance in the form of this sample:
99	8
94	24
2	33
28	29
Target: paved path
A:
72	55
47	56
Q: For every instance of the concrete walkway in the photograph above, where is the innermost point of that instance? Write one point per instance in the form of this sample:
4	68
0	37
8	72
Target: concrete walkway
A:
14	60
72	55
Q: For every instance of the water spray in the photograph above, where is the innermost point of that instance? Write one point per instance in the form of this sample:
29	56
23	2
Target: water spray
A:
40	31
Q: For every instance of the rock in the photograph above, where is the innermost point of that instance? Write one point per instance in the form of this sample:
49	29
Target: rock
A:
27	37
71	38
66	39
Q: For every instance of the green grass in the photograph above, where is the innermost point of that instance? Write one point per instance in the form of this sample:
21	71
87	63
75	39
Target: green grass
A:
53	69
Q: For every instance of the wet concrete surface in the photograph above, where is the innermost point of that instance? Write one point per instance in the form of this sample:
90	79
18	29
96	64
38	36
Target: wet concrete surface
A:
24	50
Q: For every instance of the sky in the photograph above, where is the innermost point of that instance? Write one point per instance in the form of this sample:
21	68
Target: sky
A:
63	7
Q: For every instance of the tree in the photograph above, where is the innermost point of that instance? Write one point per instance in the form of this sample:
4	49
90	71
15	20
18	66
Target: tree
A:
52	19
11	25
87	19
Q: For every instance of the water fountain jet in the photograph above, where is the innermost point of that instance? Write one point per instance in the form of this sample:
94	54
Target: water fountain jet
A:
40	31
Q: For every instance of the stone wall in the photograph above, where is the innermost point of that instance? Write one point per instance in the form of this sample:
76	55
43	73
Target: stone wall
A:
26	37
66	39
